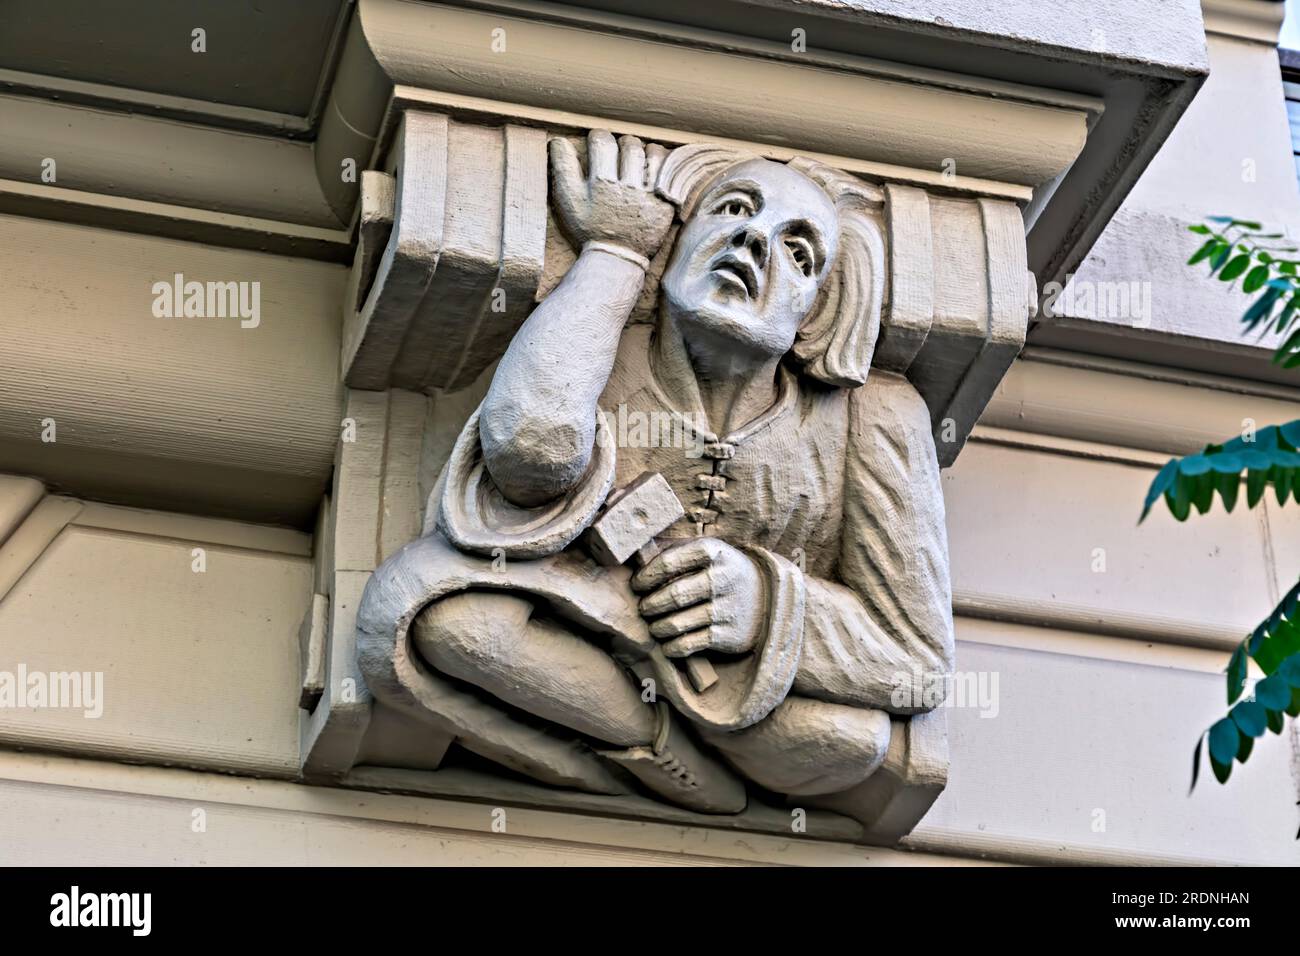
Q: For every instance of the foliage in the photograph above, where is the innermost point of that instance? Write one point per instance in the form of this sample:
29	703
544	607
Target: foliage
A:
1239	249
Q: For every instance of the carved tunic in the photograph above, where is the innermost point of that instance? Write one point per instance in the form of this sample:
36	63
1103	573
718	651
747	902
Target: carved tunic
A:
840	483
774	483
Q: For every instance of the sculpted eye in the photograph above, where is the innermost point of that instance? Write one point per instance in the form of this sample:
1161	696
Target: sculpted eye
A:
734	206
802	254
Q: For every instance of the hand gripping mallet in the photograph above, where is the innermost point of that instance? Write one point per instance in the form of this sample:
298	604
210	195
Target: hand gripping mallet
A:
626	530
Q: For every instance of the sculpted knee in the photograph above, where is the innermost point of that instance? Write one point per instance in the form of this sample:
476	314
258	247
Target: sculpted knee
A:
807	747
467	634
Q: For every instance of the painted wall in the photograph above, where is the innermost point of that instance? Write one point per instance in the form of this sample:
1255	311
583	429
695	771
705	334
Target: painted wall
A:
1100	644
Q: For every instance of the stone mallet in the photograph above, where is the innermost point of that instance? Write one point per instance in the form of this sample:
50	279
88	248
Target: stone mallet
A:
626	531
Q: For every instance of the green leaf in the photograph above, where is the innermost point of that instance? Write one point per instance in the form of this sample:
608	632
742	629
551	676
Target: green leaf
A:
1203	492
1222	771
1289	346
1256	482
1255	279
1204	252
1200	230
1236	673
1268	458
1228	485
1224	737
1285	317
1283	640
1261	309
1244	748
1196	763
1273	692
1221	252
1290	433
1249	717
1234	268
1281	479
1225	462
1163	481
1289	671
1179	506
1275	721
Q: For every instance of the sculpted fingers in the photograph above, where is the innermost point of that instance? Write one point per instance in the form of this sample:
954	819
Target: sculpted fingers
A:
672	562
683	622
654	160
602	155
631	161
681	593
688	644
566	171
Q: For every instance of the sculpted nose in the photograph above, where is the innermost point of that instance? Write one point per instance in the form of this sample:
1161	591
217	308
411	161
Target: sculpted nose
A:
748	237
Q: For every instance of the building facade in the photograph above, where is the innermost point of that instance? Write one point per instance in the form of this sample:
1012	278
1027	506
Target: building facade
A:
261	269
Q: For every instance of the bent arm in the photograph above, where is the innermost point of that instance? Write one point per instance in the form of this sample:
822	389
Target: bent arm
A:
538	422
884	634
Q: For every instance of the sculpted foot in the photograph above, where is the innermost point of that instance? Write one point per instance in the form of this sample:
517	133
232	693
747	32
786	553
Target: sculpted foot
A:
677	770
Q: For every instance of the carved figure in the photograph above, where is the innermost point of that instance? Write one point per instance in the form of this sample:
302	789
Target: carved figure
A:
808	579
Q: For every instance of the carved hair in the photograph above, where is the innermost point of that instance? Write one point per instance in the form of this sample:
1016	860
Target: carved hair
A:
837	338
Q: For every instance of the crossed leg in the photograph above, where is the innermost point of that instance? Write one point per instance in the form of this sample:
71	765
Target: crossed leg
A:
491	640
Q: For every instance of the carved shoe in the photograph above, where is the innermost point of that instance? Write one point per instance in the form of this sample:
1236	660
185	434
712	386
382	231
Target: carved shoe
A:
676	769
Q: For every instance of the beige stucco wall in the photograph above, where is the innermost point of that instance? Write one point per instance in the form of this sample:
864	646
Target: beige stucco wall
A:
1085	754
1104	677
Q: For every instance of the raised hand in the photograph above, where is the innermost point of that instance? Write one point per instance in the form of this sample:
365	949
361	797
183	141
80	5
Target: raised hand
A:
615	202
703	594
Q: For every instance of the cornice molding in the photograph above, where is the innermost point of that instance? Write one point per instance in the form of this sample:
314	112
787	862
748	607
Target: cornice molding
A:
1257	20
1073	128
702	84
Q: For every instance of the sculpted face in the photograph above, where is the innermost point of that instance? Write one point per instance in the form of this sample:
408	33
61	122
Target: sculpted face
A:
747	265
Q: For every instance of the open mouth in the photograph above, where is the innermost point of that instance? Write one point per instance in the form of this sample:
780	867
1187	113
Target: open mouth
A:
738	273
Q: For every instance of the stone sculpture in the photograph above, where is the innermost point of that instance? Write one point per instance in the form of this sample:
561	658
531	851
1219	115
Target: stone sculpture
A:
806	583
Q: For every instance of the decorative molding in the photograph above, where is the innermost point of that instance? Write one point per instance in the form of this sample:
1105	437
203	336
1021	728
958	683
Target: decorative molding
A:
473	109
923	121
373	509
156	160
463	260
1069	447
1258	20
430	318
55	204
102	96
1134	92
1124	404
1091	619
187	413
27	541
